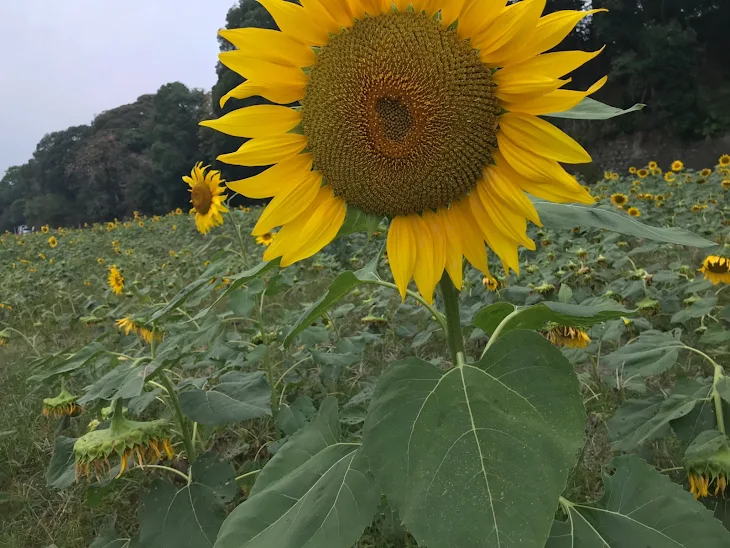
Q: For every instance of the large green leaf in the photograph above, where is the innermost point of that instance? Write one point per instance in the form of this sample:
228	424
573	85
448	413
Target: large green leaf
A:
697	309
316	491
572	215
358	220
179	299
72	363
590	109
61	470
239	396
458	453
536	316
654	352
340	286
639	508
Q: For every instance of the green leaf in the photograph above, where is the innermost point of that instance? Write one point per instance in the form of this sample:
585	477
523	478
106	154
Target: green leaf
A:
458	452
239	397
639	508
340	286
572	215
705	445
316	491
293	417
72	363
179	299
357	220
217	474
535	317
107	535
62	469
653	353
590	109
697	309
639	421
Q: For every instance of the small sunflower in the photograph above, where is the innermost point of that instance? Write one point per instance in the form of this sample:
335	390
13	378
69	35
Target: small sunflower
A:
436	128
634	212
670	177
45	229
178	211
632	170
696	208
265	239
129	325
724	160
607	175
63	405
659	197
490	282
52	242
206	195
716	269
619	200
677	165
100	260
653	165
568	337
116	280
642	173
705	173
615	176
726	184
140	224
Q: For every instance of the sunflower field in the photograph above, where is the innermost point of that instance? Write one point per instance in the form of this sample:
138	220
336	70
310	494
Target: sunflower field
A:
382	351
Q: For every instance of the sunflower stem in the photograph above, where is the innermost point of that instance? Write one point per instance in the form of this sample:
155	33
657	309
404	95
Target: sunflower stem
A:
453	318
182	423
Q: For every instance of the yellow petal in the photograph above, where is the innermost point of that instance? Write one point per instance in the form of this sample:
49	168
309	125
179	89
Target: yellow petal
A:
401	5
550	31
265	151
532	166
550	65
496	184
262	72
317	12
454	265
509	222
439	242
294	20
289	204
556	101
401	249
453	10
270	45
268	183
339	10
423	273
467	228
508	31
277	92
376	7
520	88
543	138
504	247
311	231
478	15
256	121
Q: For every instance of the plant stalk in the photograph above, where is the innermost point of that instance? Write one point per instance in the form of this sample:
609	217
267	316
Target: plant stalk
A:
454	335
182	423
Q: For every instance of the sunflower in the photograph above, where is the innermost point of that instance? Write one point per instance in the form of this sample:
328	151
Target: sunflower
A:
568	337
724	160
140	224
716	269
607	175
129	325
705	173
696	208
116	280
632	170
44	229
677	165
63	405
642	173
634	212
178	211
726	184
619	200
436	127
653	165
490	282
100	260
670	177
52	242
206	195
265	239
615	176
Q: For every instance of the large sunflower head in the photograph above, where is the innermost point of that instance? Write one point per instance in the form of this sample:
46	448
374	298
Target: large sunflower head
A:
716	269
116	280
426	112
206	195
619	200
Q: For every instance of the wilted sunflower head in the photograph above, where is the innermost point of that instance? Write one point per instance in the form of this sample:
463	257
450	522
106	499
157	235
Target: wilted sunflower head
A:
708	470
677	165
432	127
116	280
696	208
642	173
265	239
63	405
716	269
634	212
724	160
568	337
206	195
52	242
619	200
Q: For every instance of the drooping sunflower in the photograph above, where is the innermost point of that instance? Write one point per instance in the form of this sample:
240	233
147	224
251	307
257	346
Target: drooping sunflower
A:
653	165
265	239
568	337
634	212
724	160
206	195
425	112
642	173
619	200
61	406
696	208
677	165
116	280
52	242
716	269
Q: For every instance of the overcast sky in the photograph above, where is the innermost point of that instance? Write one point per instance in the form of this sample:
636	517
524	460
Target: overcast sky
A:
63	61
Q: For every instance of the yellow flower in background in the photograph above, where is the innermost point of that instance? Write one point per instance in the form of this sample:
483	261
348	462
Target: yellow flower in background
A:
490	282
706	172
632	170
116	280
619	200
726	184
447	153
670	177
178	211
696	208
615	176
206	196
100	260
52	242
642	173
634	212
677	165
140	224
87	283
653	165
45	229
607	175
265	239
716	269
568	337
174	228
724	160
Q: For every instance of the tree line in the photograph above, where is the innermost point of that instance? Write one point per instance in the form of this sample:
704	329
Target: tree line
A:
669	54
